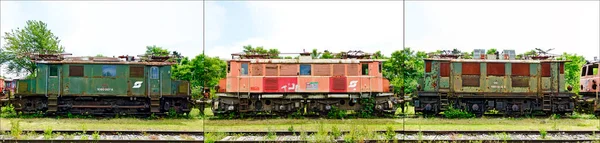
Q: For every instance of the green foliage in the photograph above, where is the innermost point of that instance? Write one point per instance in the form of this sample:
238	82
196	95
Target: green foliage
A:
404	69
271	135
573	69
378	55
491	51
291	128
336	113
336	132
457	113
48	133
389	132
156	51
15	129
273	53
8	111
367	108
35	37
543	133
198	70
96	135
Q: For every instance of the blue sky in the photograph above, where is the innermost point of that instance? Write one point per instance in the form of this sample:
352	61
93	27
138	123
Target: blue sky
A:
126	27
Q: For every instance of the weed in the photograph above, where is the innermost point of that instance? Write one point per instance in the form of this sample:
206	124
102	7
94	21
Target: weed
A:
303	136
211	137
321	135
270	134
367	107
291	128
352	135
15	129
457	113
96	135
8	111
420	136
336	113
576	115
543	133
389	132
335	131
48	133
84	137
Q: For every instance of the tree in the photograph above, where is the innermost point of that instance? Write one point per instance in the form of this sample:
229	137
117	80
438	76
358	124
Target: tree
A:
273	53
201	68
315	54
467	55
404	69
572	69
99	56
326	55
156	51
378	55
35	37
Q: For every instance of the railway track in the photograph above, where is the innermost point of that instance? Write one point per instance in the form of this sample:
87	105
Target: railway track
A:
287	136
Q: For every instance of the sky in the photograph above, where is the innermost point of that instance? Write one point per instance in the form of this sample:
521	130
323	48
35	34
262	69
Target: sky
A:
127	27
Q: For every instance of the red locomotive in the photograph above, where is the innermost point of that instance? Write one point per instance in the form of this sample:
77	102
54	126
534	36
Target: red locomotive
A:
588	85
257	84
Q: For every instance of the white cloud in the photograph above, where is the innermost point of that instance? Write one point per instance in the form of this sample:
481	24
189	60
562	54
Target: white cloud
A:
336	26
564	25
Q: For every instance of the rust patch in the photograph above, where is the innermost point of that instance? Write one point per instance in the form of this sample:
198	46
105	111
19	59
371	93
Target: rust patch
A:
257	69
428	66
546	69
496	69
338	69
271	70
444	69
339	83
288	70
562	68
136	71
322	69
520	69
75	71
470	80
520	81
471	69
353	70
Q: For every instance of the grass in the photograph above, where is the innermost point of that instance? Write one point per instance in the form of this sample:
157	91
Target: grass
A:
103	124
409	124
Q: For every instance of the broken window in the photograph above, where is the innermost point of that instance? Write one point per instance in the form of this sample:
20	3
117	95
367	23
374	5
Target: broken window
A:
136	71
109	70
76	71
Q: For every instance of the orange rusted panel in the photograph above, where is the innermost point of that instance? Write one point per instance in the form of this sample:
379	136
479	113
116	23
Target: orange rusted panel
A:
444	69
520	69
386	85
376	84
337	84
288	70
495	69
322	69
428	66
546	70
365	84
256	84
354	84
271	69
353	70
222	85
257	69
470	68
339	69
313	84
244	84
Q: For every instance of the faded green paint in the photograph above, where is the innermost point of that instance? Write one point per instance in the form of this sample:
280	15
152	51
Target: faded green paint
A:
431	78
94	83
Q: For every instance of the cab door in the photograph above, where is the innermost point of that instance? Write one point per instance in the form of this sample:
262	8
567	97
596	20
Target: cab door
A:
53	79
154	82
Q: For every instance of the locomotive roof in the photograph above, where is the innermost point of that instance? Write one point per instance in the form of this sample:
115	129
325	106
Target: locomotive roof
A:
108	61
495	61
295	61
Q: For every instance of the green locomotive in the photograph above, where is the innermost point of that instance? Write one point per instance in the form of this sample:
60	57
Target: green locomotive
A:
100	86
494	83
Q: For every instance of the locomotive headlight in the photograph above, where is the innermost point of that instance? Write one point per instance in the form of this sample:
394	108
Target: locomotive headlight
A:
570	88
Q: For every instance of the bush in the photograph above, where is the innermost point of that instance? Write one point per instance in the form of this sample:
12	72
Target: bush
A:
367	107
336	113
457	113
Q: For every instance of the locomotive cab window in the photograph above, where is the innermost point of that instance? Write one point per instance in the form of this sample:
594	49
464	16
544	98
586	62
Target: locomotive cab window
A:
53	70
76	71
592	70
244	70
305	69
380	66
109	70
365	69
154	72
228	67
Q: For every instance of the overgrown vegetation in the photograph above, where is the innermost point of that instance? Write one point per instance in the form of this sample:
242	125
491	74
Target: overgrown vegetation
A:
454	113
336	113
367	108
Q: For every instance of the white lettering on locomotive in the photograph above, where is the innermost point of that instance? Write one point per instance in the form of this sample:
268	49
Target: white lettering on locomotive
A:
137	84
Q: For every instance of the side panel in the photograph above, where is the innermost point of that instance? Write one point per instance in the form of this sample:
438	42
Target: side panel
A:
338	84
354	84
280	84
312	84
431	78
74	85
136	81
165	75
256	84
